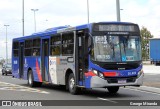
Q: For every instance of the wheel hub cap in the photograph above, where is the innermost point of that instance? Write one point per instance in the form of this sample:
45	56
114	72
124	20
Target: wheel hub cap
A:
72	83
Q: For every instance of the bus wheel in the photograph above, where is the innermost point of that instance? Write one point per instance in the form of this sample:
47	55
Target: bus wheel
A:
31	82
113	89
38	84
71	85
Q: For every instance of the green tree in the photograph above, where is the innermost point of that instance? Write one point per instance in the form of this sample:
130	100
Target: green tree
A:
145	36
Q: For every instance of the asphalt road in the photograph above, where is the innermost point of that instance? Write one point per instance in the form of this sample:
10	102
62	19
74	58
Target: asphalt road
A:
152	76
15	89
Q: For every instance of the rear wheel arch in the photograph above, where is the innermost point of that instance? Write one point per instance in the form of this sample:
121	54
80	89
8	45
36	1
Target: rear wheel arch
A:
31	81
30	78
28	71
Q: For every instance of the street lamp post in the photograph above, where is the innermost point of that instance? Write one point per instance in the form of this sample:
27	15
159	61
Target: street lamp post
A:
88	10
6	45
34	10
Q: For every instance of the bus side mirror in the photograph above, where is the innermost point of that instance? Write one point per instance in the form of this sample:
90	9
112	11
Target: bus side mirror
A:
90	42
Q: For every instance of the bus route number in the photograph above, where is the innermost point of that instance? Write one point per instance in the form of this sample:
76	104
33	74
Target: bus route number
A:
131	73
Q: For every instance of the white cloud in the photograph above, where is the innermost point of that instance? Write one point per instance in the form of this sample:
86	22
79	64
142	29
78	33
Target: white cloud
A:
54	13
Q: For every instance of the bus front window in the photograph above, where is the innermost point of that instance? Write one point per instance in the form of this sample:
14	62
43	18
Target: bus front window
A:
116	48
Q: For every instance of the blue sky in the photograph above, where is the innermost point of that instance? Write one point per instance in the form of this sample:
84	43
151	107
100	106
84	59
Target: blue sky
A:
142	2
73	12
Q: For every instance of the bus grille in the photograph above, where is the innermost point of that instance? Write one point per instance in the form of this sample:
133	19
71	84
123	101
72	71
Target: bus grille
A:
115	80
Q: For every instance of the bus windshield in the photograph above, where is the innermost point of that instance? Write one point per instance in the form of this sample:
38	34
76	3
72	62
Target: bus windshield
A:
114	48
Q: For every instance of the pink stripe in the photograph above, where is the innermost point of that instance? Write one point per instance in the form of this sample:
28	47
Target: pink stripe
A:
38	71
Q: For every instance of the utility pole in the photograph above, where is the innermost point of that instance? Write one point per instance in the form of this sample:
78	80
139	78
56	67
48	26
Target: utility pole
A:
22	17
118	10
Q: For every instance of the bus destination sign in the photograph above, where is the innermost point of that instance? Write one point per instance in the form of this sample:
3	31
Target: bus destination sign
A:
112	27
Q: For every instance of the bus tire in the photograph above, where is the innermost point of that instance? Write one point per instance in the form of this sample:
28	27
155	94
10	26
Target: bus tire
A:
31	81
113	89
38	84
73	89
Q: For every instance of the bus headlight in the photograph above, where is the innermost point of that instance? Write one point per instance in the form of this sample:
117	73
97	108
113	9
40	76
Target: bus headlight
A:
139	73
95	72
98	73
101	75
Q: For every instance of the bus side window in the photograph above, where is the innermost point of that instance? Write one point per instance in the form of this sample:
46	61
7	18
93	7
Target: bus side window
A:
34	52
55	50
68	43
36	47
55	46
28	47
15	49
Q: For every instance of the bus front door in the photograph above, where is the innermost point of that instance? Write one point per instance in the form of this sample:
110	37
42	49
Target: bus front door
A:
81	57
21	59
45	60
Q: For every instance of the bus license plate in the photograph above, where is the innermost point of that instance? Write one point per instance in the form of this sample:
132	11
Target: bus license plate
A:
121	81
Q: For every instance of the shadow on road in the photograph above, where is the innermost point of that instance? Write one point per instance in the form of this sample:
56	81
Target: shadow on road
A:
100	92
6	75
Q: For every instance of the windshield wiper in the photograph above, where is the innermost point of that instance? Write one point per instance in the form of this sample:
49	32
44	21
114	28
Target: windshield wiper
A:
112	47
124	47
113	53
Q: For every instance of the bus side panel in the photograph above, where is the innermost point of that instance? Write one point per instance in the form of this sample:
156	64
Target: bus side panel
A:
53	61
58	67
62	68
15	67
33	63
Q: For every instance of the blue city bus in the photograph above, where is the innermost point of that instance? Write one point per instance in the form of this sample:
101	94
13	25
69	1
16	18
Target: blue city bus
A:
95	55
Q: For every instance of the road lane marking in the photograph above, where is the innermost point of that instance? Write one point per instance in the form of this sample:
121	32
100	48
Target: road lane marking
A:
14	87
106	100
140	90
150	74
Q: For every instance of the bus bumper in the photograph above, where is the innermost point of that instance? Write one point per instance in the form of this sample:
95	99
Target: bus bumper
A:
97	82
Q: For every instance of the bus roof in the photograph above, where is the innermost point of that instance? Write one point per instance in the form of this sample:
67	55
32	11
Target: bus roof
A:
61	29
